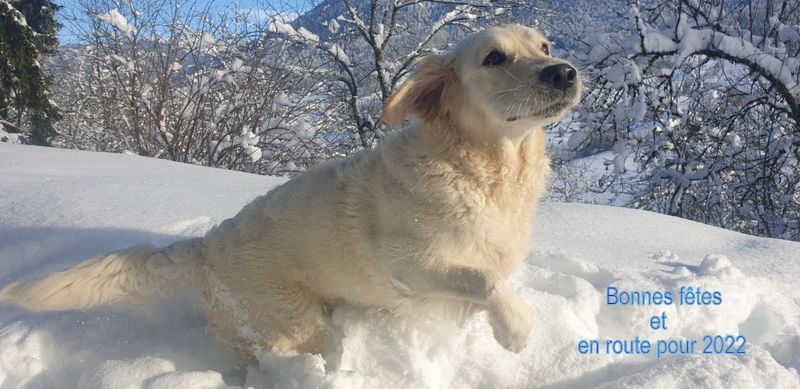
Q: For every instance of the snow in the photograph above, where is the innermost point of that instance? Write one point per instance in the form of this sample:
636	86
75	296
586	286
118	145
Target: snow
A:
333	26
624	72
337	52
655	41
601	45
694	40
249	144
60	206
789	33
308	35
305	130
17	16
7	136
207	43
281	27
303	35
159	373
691	39
116	19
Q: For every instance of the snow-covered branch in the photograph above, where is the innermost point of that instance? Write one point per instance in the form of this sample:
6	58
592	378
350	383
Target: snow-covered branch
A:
703	110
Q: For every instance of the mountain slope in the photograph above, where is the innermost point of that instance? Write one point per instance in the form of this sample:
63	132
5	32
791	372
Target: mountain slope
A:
60	206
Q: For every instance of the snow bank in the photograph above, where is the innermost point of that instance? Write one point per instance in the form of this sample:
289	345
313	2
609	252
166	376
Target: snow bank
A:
60	206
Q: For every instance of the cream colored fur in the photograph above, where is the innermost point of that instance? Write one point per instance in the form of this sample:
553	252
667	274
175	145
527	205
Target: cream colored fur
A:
433	221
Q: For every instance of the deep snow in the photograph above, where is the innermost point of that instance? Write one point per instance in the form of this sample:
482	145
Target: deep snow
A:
58	207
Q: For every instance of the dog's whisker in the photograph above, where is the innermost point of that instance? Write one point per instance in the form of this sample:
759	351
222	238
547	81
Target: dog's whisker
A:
516	88
500	94
511	75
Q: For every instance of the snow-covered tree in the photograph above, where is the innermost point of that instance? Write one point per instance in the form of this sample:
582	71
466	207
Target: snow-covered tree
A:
701	99
693	104
188	83
27	31
371	46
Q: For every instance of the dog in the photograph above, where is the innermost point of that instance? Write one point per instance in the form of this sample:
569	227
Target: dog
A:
432	221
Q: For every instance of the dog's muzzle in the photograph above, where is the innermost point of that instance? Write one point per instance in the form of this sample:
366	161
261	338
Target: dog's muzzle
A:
561	76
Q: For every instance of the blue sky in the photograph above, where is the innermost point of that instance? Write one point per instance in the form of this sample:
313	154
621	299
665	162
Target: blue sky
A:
72	6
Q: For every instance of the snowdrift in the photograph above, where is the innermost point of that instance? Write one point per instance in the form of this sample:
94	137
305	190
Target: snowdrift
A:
58	207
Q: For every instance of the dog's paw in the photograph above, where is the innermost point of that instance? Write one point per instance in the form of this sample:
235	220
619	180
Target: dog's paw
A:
511	319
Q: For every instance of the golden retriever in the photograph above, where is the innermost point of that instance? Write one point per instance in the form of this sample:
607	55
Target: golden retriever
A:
433	220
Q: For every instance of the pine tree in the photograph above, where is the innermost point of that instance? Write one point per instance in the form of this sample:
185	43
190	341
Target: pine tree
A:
27	31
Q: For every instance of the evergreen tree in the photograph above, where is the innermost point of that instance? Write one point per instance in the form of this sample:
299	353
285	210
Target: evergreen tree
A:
27	31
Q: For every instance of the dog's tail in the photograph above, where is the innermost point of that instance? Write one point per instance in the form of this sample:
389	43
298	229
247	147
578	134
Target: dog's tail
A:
131	275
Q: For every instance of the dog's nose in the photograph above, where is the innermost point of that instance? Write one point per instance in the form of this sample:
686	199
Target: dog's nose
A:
561	76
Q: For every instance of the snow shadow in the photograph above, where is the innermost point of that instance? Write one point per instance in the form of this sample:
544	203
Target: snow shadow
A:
55	248
56	349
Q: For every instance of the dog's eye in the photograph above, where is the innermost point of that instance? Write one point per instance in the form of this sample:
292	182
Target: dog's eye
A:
494	58
545	49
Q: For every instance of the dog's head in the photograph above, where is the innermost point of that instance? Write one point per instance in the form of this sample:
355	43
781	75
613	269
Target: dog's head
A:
500	79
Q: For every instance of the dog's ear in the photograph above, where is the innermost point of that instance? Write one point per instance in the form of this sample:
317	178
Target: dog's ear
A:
426	95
